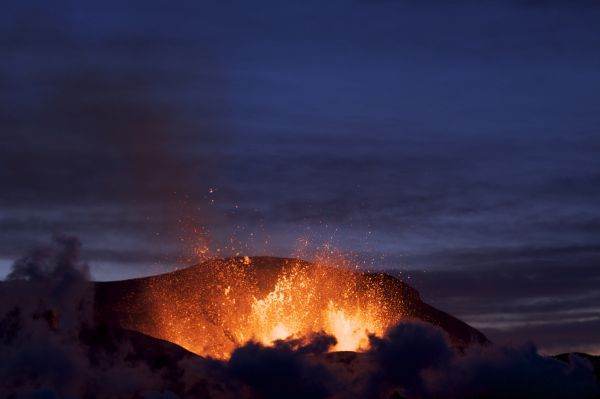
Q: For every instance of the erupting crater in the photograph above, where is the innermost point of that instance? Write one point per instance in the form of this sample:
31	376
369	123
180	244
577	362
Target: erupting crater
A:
212	308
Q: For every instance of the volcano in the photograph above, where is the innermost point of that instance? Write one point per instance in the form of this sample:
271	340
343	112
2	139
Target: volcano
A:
258	327
215	306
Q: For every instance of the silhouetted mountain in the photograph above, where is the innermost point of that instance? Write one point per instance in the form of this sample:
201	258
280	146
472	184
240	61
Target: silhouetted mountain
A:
131	303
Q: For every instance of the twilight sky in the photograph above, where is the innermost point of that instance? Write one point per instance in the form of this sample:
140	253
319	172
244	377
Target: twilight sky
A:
456	143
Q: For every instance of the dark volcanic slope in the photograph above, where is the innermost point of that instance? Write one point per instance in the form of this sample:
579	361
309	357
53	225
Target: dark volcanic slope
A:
125	303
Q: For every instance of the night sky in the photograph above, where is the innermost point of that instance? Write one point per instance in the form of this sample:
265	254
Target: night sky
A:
454	143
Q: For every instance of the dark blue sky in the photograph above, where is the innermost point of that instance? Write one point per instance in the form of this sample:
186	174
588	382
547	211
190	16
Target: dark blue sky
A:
456	142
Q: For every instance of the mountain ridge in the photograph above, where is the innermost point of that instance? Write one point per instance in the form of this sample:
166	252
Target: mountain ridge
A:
125	302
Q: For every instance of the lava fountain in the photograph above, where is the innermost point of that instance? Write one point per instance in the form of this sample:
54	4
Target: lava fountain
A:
219	305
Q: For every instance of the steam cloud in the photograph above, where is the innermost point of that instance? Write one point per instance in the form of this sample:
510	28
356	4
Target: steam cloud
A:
46	306
51	348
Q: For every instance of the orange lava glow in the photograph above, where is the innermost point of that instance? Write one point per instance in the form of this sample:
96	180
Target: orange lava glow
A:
210	310
302	302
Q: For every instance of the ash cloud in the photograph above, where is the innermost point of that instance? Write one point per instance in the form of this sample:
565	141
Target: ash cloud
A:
501	372
413	360
416	360
403	354
284	370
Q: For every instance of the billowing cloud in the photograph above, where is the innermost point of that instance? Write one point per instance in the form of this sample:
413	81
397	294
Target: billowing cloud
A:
416	360
284	370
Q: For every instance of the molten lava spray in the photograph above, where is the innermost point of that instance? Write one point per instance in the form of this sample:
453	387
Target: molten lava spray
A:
221	304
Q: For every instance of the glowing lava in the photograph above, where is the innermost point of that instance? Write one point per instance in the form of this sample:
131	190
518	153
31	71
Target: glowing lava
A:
303	302
213	309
